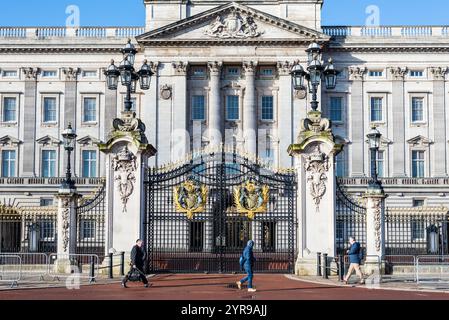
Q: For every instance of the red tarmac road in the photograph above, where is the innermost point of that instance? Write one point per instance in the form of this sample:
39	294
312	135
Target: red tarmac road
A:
217	287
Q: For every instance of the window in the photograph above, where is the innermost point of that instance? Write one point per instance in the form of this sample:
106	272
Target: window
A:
376	73
50	110
133	105
336	109
47	229
340	230
48	163
380	163
417	109
417	164
232	107
9	73
87	229
233	71
198	71
49	74
198	110
266	72
89	74
8	163
89	163
9	109
267	108
269	152
376	109
46	202
418	230
418	202
416	73
90	109
340	165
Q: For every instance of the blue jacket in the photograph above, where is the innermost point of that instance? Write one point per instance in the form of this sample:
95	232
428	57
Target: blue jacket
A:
249	256
354	253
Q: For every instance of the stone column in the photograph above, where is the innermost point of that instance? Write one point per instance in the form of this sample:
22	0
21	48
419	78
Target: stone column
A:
66	229
399	145
285	112
216	112
439	122
30	113
357	148
314	153
180	142
70	94
127	153
250	108
375	234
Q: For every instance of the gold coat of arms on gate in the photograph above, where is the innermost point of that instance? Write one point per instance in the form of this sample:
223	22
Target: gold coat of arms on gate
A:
190	198
251	198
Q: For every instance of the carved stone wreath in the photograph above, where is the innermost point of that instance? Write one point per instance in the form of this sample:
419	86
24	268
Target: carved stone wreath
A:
233	26
166	92
317	165
124	166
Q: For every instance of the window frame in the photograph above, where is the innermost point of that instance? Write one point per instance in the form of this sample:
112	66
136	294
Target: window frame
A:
424	160
16	76
82	162
97	107
424	108
238	107
17	107
42	162
83	74
192	96
384	112
342	110
54	229
273	107
51	76
49	96
376	73
81	229
15	150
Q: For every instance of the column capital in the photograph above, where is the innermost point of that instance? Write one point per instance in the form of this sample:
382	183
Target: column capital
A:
154	66
398	73
180	68
356	73
31	73
284	67
250	66
439	73
71	73
215	66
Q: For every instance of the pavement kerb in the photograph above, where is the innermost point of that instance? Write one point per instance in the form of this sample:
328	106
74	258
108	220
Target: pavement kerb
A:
383	287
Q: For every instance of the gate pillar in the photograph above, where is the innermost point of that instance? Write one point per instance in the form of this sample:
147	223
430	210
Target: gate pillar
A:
314	153
66	222
127	153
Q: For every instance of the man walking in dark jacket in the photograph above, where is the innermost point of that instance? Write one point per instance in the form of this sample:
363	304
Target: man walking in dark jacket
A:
138	256
354	260
248	264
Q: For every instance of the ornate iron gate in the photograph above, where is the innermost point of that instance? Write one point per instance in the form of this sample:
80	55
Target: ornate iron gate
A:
201	213
350	221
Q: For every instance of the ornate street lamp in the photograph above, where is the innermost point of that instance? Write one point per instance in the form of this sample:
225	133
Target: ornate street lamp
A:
128	75
316	72
374	142
69	137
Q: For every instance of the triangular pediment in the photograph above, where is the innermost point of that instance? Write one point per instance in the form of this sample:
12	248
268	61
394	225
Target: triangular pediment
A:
48	141
88	141
231	23
9	141
419	141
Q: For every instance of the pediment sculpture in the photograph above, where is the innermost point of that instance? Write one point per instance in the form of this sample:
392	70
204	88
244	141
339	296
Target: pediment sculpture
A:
317	166
233	26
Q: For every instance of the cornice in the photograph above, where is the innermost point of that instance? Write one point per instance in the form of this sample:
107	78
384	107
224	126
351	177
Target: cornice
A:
49	49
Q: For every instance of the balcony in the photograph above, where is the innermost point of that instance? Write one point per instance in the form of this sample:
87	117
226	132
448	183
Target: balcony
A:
387	31
63	32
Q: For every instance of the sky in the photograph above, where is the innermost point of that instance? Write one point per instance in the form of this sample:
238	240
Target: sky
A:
112	12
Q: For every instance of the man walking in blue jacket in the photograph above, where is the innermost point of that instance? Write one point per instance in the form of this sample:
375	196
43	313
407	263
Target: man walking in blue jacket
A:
247	261
354	254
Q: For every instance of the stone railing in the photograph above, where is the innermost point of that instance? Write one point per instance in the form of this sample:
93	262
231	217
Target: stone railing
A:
396	181
63	32
48	181
387	31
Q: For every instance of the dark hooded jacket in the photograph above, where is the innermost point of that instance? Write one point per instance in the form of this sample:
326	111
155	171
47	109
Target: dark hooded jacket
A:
138	256
249	256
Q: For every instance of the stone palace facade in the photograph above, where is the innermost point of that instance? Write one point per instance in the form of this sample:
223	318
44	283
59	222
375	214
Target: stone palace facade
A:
223	69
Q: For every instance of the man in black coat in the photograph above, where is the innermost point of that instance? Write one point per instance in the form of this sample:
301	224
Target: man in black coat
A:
138	256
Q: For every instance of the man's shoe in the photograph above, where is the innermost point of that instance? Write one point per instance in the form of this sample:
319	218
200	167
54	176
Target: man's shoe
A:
239	285
124	285
252	290
146	285
362	282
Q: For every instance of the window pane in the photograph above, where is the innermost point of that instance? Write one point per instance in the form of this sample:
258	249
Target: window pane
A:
89	163
340	164
380	163
417	109
90	109
49	74
9	109
87	229
418	164
8	163
198	110
336	109
232	107
267	108
49	109
48	163
376	109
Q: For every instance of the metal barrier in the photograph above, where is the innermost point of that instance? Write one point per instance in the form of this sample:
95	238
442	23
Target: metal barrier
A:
80	265
434	269
111	264
10	269
33	265
324	265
